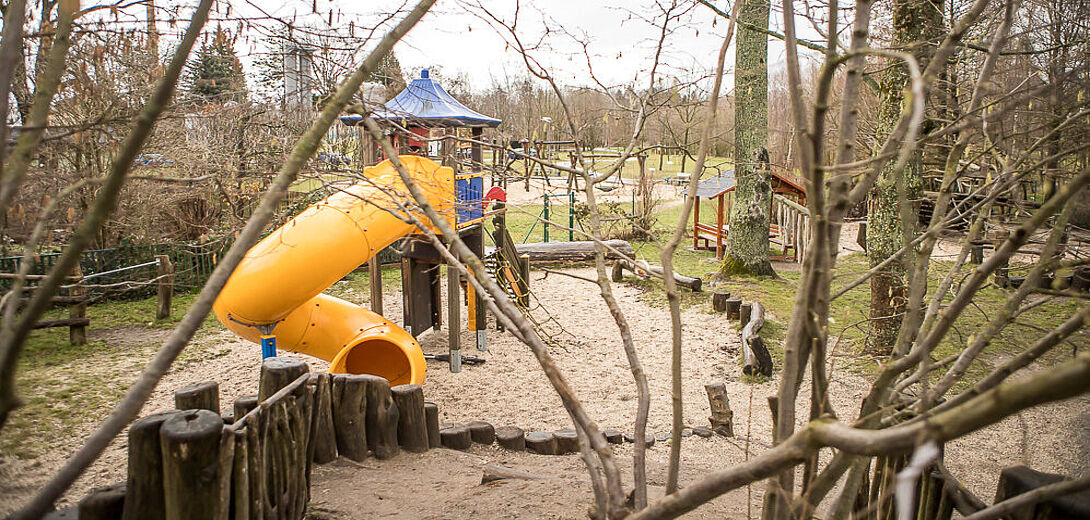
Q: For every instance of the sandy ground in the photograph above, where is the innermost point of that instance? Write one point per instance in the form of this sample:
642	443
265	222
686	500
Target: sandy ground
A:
510	389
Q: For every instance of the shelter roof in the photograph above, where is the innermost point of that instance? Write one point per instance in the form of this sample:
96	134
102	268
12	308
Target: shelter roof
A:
712	187
425	102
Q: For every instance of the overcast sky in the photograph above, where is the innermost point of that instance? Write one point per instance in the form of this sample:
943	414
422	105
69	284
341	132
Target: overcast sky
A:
460	42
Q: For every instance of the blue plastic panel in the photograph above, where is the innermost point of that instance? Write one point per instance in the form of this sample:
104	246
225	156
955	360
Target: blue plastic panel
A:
469	192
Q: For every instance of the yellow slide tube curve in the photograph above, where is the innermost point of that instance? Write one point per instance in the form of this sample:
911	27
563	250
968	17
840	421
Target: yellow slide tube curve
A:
277	288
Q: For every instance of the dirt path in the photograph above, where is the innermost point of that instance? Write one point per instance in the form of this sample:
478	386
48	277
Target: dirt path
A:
511	389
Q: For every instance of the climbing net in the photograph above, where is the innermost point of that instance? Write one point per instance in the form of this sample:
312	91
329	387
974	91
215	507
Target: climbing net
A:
510	278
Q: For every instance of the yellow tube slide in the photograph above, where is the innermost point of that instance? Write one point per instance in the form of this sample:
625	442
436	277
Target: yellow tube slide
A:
277	288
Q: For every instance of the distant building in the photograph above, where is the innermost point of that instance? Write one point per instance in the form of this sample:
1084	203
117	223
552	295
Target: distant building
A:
298	77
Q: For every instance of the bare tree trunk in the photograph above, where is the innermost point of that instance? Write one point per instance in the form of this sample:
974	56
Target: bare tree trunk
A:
747	243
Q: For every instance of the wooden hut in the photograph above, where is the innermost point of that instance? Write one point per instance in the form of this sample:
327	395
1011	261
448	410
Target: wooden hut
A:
788	216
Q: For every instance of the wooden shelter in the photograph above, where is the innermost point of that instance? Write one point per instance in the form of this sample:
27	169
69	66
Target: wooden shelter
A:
789	220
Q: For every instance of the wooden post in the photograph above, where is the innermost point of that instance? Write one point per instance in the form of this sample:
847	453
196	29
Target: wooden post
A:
617	273
454	320
349	404
144	494
733	307
722	418
278	372
243	405
412	424
103	503
164	271
482	432
696	221
524	280
542	443
190	444
374	270
719	227
431	417
744	312
77	311
719	301
755	356
567	441
511	438
976	254
1002	278
240	477
324	435
455	438
861	235
382	417
198	396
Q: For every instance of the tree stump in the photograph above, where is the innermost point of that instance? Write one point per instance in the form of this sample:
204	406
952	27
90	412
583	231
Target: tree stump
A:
482	432
744	312
144	499
1080	280
198	396
719	300
278	372
567	441
861	235
455	437
976	253
412	424
511	438
734	306
190	444
103	503
431	416
349	407
382	418
542	443
722	418
617	273
613	436
324	431
165	273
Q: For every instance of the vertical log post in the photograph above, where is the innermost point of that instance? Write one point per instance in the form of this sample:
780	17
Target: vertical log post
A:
744	312
431	416
164	271
454	320
1002	272
190	443
719	301
144	499
524	280
382	417
323	432
198	396
374	271
733	307
350	415
722	418
278	372
77	310
104	503
412	427
243	405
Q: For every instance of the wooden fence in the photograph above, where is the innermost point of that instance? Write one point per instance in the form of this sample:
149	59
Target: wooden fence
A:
789	227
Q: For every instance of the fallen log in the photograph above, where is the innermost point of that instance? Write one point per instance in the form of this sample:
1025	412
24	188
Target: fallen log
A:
557	252
643	270
494	472
755	356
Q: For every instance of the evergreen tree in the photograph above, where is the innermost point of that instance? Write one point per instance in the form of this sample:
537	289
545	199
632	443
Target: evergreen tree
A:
216	76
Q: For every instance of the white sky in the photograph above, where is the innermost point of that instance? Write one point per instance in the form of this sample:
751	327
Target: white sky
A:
461	43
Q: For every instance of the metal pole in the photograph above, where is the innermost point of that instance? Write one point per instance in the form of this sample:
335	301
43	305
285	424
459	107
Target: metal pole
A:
545	228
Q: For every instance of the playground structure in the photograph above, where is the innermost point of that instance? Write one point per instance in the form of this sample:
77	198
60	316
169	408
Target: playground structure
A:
789	220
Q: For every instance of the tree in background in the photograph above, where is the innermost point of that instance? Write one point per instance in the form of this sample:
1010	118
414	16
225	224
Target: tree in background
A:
389	75
917	24
747	243
216	76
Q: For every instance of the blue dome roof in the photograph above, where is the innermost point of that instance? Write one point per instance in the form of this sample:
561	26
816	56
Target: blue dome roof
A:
425	101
